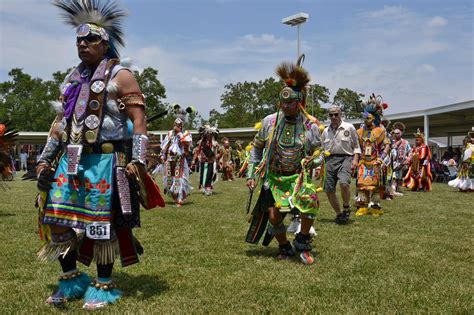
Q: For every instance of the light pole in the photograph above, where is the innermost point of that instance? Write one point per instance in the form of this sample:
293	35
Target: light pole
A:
296	20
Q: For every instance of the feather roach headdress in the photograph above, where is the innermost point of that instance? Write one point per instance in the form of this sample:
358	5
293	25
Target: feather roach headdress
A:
295	78
98	17
374	106
419	134
208	130
399	125
180	112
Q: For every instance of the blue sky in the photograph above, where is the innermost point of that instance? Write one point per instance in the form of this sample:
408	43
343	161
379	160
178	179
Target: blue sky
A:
416	54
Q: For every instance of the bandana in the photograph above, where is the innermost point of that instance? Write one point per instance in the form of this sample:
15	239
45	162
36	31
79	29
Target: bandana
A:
287	95
88	28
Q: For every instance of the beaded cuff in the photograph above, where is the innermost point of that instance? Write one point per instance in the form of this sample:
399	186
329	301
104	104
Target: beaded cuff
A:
104	286
69	275
251	171
50	151
258	142
139	148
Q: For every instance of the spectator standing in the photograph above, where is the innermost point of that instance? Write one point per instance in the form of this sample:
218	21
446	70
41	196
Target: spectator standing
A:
23	160
341	141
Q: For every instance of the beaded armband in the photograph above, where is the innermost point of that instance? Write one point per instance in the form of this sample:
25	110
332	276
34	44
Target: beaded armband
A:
128	99
258	142
139	148
251	171
50	150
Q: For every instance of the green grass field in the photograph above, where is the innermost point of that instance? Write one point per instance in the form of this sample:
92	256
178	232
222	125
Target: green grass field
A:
417	257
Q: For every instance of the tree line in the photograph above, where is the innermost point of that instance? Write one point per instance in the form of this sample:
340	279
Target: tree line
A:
25	101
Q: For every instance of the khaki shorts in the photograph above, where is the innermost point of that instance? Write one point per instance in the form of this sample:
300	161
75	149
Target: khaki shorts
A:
338	168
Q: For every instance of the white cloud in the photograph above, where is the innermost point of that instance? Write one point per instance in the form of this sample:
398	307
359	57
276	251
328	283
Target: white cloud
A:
205	83
264	39
388	12
437	21
426	68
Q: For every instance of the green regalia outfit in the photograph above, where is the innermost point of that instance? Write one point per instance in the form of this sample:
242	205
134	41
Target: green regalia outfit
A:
276	161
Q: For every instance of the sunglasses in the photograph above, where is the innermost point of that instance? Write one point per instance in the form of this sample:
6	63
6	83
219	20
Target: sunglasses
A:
334	115
89	39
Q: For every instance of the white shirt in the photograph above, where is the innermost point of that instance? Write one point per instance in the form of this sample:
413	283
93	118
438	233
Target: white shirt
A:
343	140
23	157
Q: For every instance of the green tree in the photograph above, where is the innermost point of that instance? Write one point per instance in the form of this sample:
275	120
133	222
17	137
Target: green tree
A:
246	103
25	101
154	92
317	96
348	100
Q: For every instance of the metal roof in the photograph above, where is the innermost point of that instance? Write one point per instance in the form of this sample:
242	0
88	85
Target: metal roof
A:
444	121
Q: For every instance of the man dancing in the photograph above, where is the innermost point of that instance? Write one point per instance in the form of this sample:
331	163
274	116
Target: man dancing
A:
239	157
465	179
206	154
374	149
175	150
283	149
402	148
226	160
419	177
84	168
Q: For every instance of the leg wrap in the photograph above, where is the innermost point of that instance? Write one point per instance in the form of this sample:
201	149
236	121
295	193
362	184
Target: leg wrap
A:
105	271
60	245
68	262
302	242
277	229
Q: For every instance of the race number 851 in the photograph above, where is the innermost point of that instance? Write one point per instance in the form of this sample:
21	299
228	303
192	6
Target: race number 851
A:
98	231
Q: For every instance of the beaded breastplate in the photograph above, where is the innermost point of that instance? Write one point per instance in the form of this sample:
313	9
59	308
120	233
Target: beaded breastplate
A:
289	149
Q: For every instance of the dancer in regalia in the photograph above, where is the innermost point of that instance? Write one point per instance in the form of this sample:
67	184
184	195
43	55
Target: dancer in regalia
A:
284	150
419	177
175	150
402	149
91	171
239	157
226	160
465	179
7	136
206	153
375	147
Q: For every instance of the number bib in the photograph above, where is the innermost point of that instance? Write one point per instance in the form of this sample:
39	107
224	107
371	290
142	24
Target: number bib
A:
368	150
98	231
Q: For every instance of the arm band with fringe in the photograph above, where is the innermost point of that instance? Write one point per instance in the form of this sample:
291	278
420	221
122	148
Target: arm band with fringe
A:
129	99
50	150
251	171
139	148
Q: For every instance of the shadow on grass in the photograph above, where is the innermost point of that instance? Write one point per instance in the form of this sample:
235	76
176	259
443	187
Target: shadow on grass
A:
144	285
7	214
172	203
262	251
272	253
